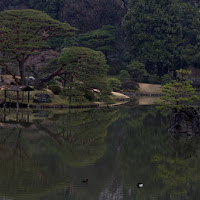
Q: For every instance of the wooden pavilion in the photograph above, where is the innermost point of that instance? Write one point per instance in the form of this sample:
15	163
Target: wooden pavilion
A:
17	89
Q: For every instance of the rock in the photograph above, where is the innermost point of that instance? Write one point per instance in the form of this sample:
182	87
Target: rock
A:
185	122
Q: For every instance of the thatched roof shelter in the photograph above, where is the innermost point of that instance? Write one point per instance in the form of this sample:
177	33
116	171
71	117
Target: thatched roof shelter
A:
16	88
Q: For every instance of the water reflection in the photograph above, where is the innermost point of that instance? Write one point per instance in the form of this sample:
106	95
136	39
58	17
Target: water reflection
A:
178	166
168	167
46	155
38	158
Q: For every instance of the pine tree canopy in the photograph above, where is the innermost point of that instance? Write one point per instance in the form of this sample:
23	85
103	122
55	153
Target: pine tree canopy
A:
24	32
83	65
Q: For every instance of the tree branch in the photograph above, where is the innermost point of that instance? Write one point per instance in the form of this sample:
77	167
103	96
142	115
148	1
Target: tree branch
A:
9	72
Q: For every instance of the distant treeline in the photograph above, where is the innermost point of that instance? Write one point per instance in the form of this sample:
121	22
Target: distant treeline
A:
143	40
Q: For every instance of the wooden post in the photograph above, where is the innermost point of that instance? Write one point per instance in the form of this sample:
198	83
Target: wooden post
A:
17	99
28	98
65	76
17	115
4	114
22	96
22	114
5	95
28	115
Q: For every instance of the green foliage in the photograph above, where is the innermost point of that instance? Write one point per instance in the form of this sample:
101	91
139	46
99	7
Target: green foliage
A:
55	42
51	7
89	95
24	33
101	39
130	86
74	93
137	71
90	15
85	69
153	79
108	39
179	93
124	76
85	66
166	79
163	34
44	86
55	89
69	91
70	42
106	99
52	82
115	84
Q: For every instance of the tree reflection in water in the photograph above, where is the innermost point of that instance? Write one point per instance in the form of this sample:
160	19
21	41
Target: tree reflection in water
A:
48	158
178	166
38	159
168	167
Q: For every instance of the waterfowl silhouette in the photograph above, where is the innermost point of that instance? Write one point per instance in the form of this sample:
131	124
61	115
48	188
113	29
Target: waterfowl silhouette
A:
85	181
140	185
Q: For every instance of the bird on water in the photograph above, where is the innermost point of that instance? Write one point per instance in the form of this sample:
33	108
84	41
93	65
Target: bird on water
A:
85	181
140	185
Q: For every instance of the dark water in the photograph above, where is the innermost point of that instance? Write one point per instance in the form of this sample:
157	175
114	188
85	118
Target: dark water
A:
46	155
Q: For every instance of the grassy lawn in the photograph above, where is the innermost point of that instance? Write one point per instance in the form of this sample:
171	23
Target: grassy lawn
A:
55	99
146	100
146	88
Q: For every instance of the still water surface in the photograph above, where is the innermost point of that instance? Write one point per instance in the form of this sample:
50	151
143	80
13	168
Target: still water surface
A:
46	155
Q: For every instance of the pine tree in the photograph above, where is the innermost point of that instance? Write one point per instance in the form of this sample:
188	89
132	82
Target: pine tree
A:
23	33
179	93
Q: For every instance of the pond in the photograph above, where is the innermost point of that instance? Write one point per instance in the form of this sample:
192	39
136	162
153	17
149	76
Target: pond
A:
95	154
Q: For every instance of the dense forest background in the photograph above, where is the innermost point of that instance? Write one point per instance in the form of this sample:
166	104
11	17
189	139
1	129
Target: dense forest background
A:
85	15
144	41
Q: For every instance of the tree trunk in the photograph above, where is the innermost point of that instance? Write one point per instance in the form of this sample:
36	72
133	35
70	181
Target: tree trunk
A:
70	99
22	71
65	76
39	83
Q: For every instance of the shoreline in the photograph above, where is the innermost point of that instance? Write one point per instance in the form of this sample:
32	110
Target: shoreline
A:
60	106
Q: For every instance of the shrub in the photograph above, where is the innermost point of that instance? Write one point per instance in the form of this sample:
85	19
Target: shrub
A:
124	76
55	89
52	82
44	86
115	84
89	95
153	79
166	79
79	99
130	86
106	99
137	71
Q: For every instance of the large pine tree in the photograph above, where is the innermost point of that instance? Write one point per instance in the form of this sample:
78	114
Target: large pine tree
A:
23	33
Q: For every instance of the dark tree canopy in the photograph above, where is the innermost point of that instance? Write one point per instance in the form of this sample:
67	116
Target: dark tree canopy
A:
163	34
24	32
85	15
83	65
